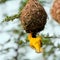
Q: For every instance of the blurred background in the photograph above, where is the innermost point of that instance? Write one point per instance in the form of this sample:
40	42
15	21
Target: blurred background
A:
13	38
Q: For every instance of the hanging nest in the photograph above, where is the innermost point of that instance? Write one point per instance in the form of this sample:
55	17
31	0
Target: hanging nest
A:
33	17
55	11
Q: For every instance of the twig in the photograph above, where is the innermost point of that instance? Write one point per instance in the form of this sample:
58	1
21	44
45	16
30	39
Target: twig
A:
17	54
10	18
51	37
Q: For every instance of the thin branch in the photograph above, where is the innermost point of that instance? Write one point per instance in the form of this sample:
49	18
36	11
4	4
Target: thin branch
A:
51	37
16	58
11	18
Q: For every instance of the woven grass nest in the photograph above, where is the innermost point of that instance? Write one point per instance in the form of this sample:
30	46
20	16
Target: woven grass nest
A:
55	10
33	17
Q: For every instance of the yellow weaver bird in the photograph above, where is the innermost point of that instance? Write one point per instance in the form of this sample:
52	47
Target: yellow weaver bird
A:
35	43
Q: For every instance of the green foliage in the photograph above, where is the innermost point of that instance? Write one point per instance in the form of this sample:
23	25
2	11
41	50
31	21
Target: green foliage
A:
8	18
3	1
